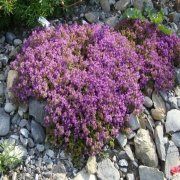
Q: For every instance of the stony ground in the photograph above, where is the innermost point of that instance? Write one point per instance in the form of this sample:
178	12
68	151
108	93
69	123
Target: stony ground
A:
148	152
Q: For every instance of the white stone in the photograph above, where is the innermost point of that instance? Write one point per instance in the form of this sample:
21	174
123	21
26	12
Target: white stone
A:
91	165
173	121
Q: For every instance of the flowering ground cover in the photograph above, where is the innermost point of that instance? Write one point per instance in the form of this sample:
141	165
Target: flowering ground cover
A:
91	77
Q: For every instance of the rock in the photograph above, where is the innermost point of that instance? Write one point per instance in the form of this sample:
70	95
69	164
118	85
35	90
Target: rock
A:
106	170
159	142
177	5
129	152
50	153
121	5
91	165
158	114
40	147
130	176
59	168
16	119
23	123
9	107
139	4
177	90
24	141
158	101
83	175
4	59
2	39
172	159
122	139
123	163
112	21
17	42
148	102
134	122
24	132
22	109
105	5
59	176
178	102
37	132
30	143
173	102
176	138
92	17
10	37
1	90
149	173
177	75
12	75
4	123
174	17
145	149
173	121
36	109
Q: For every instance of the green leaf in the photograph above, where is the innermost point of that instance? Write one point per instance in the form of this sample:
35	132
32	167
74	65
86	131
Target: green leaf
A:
164	29
157	18
132	13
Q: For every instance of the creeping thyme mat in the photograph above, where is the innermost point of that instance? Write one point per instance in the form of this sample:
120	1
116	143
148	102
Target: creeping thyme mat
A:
91	77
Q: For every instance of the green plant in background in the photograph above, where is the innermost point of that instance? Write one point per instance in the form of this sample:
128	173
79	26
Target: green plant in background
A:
27	12
150	15
8	160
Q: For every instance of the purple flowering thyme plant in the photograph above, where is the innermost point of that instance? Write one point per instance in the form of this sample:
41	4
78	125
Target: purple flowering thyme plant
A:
88	75
157	52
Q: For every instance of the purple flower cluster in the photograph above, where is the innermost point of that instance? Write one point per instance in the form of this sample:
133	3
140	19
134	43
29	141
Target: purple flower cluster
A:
157	52
89	77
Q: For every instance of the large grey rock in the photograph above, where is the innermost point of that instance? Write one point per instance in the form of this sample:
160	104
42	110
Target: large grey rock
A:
105	5
83	175
4	122
122	4
159	142
149	173
122	139
145	149
134	122
10	37
36	109
176	138
172	159
1	89
37	132
129	152
148	102
158	101
173	121
106	170
92	17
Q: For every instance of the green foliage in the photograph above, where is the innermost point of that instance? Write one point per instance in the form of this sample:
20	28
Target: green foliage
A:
27	12
6	159
150	15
